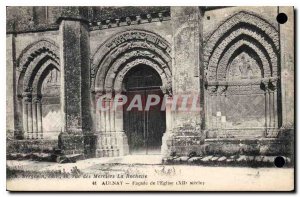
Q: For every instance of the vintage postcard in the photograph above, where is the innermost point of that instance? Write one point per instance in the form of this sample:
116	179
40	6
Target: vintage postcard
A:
150	98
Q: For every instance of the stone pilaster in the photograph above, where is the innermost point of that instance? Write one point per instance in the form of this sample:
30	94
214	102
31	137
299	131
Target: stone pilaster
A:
13	126
186	62
185	135
75	80
287	68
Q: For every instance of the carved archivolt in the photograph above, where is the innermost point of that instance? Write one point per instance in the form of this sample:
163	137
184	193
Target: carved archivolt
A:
127	49
243	32
32	63
117	86
41	75
35	49
229	55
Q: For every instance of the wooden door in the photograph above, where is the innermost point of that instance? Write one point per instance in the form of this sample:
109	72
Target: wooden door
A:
144	128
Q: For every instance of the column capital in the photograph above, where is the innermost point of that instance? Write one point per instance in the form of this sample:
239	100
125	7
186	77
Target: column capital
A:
273	85
36	98
27	96
167	89
212	89
222	89
265	83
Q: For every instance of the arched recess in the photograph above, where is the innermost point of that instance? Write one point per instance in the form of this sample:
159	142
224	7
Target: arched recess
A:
242	71
110	63
37	65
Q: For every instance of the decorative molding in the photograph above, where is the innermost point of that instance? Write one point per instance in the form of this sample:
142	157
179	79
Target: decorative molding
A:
238	18
130	20
125	47
225	60
33	60
35	49
241	30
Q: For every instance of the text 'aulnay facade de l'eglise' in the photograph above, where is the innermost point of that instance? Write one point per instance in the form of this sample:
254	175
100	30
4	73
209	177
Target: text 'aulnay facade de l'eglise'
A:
239	60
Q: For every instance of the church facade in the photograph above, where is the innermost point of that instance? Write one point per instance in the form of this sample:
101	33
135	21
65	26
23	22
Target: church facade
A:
238	61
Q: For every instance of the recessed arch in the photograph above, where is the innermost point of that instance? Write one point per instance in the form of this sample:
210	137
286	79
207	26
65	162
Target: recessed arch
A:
240	19
33	66
135	56
40	76
241	35
31	58
236	49
241	58
121	74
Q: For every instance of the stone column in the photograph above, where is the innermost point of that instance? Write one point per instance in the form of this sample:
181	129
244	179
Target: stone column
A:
29	114
119	127
102	121
108	136
169	121
112	140
121	138
186	75
75	81
34	119
25	115
107	115
98	120
271	111
19	106
267	108
39	118
167	137
112	116
274	95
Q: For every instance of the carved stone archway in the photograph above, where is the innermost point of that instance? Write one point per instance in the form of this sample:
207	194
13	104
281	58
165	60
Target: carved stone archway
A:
241	66
34	64
110	64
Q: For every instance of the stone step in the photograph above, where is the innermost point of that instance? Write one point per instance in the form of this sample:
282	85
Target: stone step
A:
207	158
194	159
241	160
222	158
181	159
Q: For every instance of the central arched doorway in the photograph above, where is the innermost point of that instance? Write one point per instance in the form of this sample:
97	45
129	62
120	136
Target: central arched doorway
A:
144	126
139	61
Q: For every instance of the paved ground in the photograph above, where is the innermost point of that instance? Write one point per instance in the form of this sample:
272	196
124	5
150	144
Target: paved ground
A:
139	172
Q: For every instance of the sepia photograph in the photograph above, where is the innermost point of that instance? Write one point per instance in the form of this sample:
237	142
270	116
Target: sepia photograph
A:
150	98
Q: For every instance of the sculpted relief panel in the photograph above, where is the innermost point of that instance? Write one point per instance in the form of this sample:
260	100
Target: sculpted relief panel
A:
243	67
